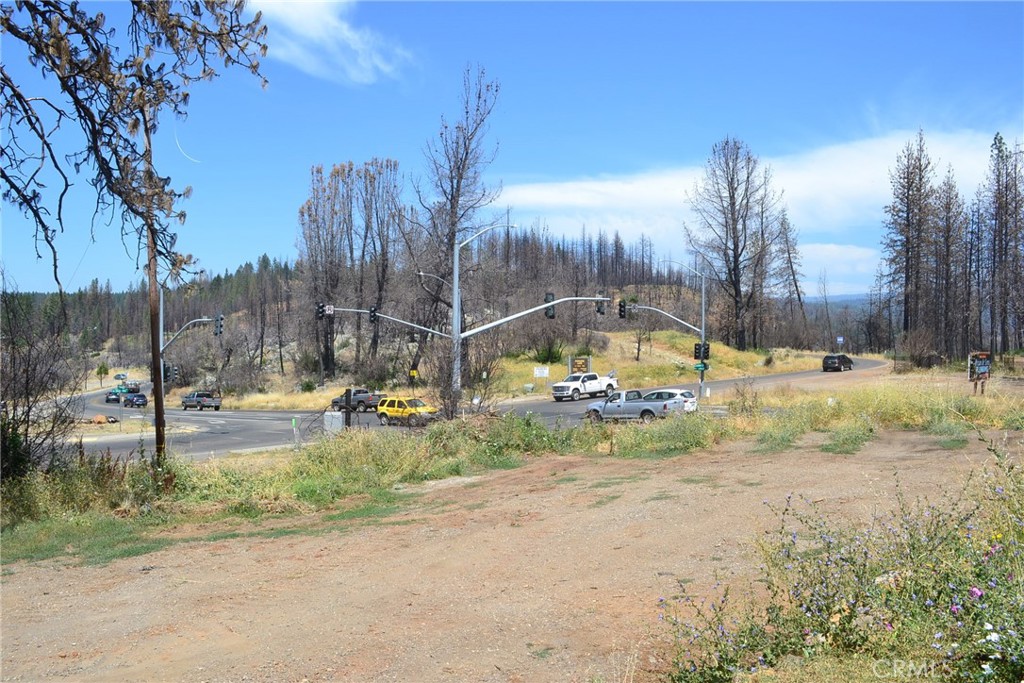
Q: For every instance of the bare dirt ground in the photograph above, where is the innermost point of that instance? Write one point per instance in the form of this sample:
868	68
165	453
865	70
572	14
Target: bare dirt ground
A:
550	572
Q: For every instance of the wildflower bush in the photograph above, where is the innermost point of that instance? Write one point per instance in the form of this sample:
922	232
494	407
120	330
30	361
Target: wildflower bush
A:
940	585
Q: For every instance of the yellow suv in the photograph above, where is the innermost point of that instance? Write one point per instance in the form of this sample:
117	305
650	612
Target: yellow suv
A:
405	410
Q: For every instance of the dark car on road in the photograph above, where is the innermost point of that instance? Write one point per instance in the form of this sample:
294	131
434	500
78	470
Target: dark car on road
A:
112	397
135	400
836	361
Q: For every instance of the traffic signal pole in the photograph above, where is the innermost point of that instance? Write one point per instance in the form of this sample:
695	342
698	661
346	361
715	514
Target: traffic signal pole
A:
703	315
700	331
483	328
464	334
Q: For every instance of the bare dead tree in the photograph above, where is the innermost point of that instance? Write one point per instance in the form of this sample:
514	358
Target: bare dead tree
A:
454	190
108	92
736	225
102	86
40	376
325	222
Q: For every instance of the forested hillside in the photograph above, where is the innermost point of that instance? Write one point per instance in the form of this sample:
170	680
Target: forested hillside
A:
951	282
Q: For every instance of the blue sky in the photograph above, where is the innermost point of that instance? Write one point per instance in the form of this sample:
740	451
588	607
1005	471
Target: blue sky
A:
606	117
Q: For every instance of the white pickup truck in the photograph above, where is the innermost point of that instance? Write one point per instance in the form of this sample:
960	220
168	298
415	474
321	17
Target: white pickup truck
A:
577	384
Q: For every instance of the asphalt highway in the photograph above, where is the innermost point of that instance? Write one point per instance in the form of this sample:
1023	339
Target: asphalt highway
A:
196	435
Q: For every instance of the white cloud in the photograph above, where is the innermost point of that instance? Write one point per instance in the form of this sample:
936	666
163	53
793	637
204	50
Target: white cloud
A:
835	195
318	39
834	189
844	267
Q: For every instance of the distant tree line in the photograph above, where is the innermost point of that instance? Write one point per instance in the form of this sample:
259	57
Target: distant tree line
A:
953	277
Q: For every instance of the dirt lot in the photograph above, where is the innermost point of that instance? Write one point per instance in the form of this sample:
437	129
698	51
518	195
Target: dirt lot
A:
550	572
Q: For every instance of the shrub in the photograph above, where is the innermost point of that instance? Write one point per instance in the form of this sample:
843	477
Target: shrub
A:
939	585
550	353
15	456
849	436
675	435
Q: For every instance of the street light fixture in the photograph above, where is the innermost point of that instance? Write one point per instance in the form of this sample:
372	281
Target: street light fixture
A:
703	326
457	311
436	277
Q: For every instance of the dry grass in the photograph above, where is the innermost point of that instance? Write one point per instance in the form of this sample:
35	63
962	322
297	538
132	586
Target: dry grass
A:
666	359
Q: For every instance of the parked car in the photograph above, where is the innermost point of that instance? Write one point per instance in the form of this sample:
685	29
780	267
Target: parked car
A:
361	399
836	361
681	399
405	410
113	396
135	400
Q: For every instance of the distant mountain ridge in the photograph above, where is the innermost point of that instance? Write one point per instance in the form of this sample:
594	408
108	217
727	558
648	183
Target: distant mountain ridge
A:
846	299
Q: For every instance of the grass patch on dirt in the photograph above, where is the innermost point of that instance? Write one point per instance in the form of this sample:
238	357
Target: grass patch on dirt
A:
605	500
616	481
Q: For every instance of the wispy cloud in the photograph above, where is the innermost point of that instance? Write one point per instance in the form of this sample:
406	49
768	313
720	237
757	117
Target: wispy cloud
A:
835	196
840	188
318	39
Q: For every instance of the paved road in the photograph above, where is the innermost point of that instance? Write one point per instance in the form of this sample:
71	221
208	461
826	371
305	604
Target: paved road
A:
202	435
570	412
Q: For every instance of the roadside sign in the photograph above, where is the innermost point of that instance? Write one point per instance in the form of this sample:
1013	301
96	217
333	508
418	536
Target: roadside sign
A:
840	340
579	364
328	309
700	366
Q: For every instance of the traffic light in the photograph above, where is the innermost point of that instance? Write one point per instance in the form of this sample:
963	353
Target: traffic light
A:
166	371
321	310
622	308
373	314
549	312
218	325
600	308
702	351
706	353
174	373
697	351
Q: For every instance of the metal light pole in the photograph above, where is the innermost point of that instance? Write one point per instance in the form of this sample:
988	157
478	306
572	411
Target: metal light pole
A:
703	313
457	312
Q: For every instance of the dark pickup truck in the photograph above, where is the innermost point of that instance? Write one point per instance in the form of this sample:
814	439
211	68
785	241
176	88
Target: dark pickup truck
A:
362	400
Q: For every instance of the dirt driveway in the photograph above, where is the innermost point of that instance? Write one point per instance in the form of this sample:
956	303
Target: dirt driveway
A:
550	572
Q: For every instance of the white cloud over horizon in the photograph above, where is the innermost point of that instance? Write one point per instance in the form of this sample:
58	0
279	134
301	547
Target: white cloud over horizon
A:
835	196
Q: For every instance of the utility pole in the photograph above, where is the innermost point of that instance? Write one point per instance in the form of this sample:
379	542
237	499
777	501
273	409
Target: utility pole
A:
155	312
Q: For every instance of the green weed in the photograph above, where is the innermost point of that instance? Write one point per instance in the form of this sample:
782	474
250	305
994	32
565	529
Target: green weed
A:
849	437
